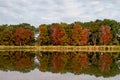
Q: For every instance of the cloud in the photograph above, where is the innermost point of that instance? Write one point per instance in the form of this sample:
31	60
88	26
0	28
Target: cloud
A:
49	11
37	75
95	2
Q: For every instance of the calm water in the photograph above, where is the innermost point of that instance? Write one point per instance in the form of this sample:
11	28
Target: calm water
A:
20	65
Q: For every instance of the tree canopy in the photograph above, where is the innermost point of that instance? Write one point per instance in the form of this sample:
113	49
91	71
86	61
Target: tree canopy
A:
99	32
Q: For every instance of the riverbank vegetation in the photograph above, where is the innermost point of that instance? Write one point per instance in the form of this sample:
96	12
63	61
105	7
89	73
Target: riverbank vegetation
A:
99	32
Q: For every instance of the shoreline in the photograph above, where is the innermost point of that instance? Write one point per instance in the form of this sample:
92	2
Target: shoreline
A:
111	48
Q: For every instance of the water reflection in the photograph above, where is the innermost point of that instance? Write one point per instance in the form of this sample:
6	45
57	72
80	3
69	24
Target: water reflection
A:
98	64
17	61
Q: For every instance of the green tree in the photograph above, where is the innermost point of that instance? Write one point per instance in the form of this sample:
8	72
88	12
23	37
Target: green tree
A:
23	25
6	37
43	38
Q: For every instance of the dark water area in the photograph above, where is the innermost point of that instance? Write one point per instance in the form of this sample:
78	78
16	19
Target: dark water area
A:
25	65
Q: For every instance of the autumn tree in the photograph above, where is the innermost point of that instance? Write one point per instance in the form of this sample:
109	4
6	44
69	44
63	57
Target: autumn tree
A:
66	37
68	33
43	38
76	34
84	36
105	35
29	37
79	36
57	35
22	36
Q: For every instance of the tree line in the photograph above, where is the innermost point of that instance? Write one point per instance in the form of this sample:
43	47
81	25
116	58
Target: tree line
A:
21	34
99	32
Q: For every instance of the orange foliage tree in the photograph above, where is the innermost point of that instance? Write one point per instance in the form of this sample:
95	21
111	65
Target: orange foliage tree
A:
76	32
79	36
57	35
104	35
84	36
22	36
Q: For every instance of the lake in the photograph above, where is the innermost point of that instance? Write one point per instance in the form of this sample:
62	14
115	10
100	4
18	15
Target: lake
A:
36	65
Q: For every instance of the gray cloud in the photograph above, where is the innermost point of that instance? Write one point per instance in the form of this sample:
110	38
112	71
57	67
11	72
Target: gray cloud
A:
37	75
48	11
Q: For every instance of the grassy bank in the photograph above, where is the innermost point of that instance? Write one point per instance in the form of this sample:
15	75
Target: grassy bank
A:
64	48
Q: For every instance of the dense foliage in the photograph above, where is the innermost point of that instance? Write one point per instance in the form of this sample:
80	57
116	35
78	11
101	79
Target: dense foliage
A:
99	32
21	34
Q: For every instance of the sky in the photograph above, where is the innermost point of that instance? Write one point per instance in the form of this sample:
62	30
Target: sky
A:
38	12
37	75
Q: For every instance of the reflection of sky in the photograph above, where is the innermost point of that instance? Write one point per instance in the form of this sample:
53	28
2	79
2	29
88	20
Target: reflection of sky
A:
49	11
37	75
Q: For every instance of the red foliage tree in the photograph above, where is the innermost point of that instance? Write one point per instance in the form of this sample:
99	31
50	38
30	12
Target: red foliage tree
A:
105	35
18	35
57	35
76	34
79	36
84	36
22	36
28	36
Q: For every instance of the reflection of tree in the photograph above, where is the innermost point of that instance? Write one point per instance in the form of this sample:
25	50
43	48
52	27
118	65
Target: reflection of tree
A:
23	61
75	62
105	62
79	62
58	61
54	62
5	61
94	58
20	61
97	64
43	61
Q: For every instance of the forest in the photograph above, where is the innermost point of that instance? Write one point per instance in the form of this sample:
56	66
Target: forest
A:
99	32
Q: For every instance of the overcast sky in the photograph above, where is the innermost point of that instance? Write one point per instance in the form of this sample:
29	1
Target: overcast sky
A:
38	12
38	75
